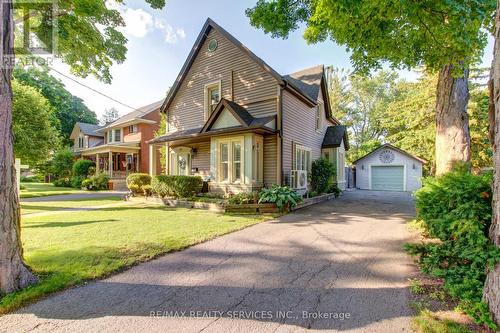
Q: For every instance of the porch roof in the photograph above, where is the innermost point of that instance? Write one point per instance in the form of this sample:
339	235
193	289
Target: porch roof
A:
196	133
114	148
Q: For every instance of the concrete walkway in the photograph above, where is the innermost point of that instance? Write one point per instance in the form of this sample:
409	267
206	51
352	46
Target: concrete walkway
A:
337	266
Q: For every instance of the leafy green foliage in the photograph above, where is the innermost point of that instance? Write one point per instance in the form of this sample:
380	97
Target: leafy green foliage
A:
322	175
96	182
404	33
176	186
360	102
63	182
410	119
283	196
62	163
456	209
83	167
244	198
34	136
69	109
481	147
137	181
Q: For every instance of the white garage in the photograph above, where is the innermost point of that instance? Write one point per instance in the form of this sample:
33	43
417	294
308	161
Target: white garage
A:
389	168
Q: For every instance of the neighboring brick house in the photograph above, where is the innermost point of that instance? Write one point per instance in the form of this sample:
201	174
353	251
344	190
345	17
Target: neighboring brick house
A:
120	147
236	122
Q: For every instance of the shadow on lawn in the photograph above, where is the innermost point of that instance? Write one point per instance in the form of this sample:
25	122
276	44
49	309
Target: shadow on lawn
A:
65	224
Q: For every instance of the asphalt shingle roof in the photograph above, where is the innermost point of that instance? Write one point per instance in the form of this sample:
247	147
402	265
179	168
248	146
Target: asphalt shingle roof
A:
334	135
90	129
308	81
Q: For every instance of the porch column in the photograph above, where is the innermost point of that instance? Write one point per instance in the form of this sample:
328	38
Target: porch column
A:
110	164
97	164
152	160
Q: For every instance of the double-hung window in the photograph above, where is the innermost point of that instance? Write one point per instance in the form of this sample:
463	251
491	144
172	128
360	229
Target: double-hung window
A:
81	142
132	129
230	161
117	133
212	97
302	158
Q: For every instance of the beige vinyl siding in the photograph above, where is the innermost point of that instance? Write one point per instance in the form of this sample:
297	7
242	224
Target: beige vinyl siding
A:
270	160
201	159
299	127
250	83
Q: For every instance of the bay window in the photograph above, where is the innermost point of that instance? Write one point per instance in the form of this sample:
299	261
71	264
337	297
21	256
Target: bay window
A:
230	157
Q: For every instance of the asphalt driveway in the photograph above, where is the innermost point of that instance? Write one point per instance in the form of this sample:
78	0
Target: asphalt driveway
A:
337	266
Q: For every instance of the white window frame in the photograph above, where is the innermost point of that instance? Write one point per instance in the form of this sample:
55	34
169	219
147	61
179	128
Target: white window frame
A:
114	134
231	177
207	104
303	156
110	136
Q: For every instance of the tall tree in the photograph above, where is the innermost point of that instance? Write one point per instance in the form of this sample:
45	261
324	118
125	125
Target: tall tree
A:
447	36
90	43
109	116
360	102
69	109
491	289
34	136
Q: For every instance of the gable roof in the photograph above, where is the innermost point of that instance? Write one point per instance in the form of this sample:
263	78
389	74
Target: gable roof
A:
308	90
307	80
334	136
399	150
87	129
136	114
239	112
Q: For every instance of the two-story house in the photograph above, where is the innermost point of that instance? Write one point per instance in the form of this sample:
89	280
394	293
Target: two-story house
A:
238	123
120	147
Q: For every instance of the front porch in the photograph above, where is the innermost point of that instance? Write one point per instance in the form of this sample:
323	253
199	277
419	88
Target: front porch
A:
117	163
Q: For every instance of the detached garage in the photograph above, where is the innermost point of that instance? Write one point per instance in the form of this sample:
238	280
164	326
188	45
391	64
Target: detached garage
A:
388	168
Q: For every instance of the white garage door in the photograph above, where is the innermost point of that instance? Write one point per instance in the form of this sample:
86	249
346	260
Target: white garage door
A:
388	178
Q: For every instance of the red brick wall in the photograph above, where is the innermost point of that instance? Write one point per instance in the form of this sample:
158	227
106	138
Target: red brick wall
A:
147	132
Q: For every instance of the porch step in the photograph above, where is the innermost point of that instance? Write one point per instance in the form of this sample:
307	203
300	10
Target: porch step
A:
119	184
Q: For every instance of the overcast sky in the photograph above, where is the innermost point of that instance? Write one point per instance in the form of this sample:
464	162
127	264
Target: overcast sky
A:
159	42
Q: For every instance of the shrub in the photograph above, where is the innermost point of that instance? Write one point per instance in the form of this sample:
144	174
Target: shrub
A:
147	190
137	181
282	196
244	198
177	186
31	179
335	190
82	167
62	182
76	181
456	209
96	182
62	163
322	175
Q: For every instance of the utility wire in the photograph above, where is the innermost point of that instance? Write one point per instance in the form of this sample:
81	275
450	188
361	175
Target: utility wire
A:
90	88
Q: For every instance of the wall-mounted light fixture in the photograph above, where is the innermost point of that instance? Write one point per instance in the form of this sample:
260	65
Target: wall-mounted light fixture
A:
414	167
362	166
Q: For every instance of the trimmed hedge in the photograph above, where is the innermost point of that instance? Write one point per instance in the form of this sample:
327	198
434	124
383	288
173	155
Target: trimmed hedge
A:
176	186
136	182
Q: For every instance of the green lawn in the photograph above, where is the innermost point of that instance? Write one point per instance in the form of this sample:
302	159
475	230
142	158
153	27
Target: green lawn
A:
45	206
67	248
33	190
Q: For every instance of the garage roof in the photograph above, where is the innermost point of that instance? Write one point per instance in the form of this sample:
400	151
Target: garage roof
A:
388	145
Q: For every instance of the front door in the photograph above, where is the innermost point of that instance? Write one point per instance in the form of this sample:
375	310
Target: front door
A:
183	164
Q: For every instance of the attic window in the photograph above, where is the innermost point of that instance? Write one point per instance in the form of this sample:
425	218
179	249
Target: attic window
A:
212	45
212	97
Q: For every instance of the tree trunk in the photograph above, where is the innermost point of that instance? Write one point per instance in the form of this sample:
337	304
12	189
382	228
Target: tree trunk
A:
452	121
492	284
14	274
